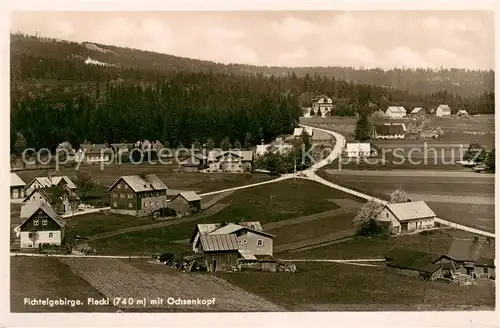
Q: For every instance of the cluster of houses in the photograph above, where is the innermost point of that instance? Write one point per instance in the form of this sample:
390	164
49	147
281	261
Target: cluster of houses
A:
399	112
232	247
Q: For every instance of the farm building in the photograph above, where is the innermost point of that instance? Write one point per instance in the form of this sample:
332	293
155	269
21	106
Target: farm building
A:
395	112
94	153
16	187
60	199
186	202
417	111
443	110
234	161
297	132
138	195
42	226
413	263
220	252
408	217
462	112
472	257
357	149
194	163
50	181
388	131
322	104
255	247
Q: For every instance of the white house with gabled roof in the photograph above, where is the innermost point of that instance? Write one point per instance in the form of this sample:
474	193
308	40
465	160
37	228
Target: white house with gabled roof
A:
408	217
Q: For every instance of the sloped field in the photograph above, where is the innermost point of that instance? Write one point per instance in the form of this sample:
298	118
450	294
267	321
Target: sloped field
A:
115	278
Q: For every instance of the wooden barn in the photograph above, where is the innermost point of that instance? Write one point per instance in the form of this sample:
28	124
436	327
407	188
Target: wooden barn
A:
413	263
220	252
186	202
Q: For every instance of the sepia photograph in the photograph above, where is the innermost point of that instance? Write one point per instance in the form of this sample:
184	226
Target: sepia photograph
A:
252	161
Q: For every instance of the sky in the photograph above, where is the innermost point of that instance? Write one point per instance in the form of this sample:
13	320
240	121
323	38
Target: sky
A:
362	39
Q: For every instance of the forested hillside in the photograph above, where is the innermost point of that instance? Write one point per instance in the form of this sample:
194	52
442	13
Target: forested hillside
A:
56	96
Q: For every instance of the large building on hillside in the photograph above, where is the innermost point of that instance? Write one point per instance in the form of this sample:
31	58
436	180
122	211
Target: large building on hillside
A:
232	161
94	153
395	112
322	104
138	195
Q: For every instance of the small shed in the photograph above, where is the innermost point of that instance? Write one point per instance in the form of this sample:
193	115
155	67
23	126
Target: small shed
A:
413	263
220	252
186	202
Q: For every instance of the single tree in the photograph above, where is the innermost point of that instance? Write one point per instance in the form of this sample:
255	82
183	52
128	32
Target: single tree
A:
210	144
399	196
20	146
225	144
84	182
248	141
365	220
363	128
237	145
63	150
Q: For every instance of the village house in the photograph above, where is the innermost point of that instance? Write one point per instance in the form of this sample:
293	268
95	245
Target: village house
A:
418	111
94	153
278	146
357	149
16	187
138	195
42	226
234	161
50	181
322	104
62	200
392	131
255	247
194	163
412	263
474	257
395	112
443	110
408	217
186	202
220	252
462	112
297	132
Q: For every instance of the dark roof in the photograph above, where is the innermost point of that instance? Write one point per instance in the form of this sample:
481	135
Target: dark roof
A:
483	262
463	250
405	258
53	194
47	210
141	182
214	243
385	130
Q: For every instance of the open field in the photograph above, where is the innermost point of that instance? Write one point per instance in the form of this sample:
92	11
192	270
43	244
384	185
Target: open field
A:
466	200
335	286
480	129
269	203
37	277
117	278
169	174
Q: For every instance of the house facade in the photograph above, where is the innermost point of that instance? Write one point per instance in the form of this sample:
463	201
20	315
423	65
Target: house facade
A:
138	195
94	153
60	199
408	262
418	111
391	131
233	161
395	112
186	203
220	252
408	217
355	150
42	226
51	181
443	110
322	104
194	163
17	186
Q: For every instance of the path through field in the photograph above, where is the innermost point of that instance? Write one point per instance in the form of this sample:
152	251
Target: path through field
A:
116	278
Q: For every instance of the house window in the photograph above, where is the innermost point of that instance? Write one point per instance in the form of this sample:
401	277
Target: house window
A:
130	205
114	195
387	215
145	204
51	235
260	242
114	204
44	222
30	235
485	270
130	196
122	195
119	186
36	223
